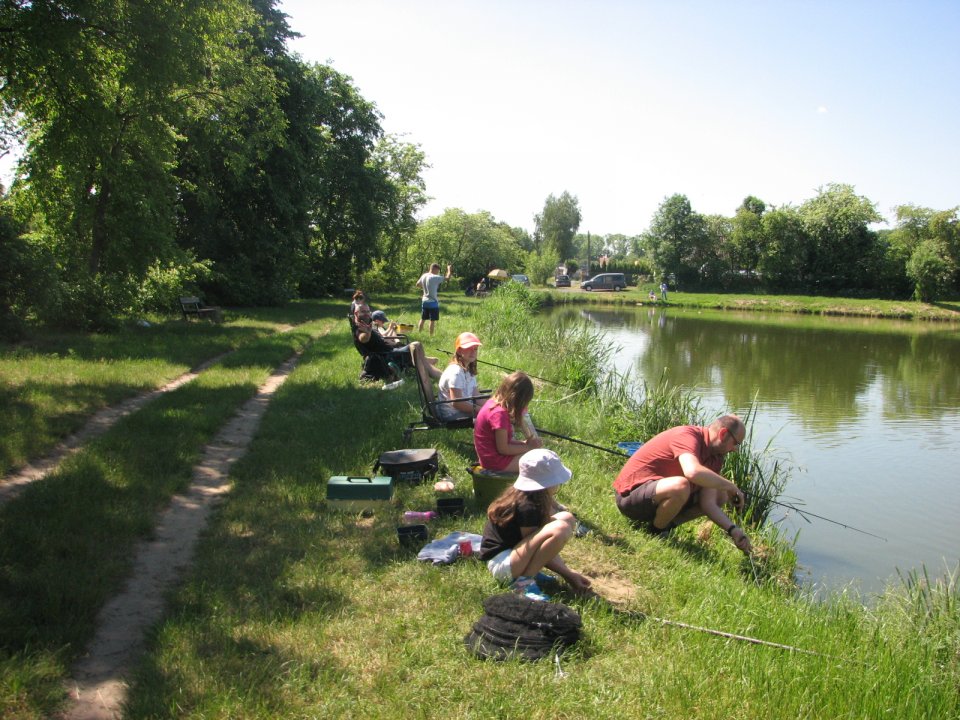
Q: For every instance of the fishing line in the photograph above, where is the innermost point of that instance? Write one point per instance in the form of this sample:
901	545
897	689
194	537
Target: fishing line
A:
804	513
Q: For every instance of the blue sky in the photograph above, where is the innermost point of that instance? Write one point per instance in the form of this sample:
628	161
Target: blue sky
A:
625	103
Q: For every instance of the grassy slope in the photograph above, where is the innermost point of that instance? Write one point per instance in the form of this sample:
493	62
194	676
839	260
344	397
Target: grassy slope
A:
294	611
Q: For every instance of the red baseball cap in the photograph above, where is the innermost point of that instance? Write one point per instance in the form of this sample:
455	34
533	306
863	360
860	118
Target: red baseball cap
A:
466	340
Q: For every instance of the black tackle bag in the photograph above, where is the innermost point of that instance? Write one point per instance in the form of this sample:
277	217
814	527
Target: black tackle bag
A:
516	626
408	465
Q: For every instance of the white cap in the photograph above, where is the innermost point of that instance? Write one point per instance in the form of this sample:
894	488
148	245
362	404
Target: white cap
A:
541	469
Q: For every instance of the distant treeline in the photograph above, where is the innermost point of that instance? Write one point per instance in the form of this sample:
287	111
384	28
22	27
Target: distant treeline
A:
172	149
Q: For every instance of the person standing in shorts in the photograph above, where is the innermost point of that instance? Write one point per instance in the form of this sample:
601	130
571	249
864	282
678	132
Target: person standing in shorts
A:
429	282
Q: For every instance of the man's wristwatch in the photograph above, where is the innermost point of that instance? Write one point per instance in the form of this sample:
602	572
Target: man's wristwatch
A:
731	529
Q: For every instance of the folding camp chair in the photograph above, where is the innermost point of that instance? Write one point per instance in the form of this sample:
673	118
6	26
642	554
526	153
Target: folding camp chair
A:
373	365
430	418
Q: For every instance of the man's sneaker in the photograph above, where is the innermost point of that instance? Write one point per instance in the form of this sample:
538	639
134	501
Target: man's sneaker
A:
527	586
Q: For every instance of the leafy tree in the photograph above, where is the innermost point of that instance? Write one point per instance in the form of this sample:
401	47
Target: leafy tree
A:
558	223
675	236
784	249
96	88
837	220
473	243
926	243
244	179
746	234
618	245
541	266
931	270
712	256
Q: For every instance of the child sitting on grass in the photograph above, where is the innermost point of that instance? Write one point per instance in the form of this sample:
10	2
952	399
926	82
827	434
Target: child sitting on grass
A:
526	529
493	428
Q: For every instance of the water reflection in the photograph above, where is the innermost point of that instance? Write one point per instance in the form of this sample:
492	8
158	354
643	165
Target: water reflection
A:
820	373
869	410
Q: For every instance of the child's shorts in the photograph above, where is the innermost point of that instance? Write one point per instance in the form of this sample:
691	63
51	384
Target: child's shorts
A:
499	566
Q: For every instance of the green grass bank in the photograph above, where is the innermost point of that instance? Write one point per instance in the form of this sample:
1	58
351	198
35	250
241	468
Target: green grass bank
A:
293	610
948	311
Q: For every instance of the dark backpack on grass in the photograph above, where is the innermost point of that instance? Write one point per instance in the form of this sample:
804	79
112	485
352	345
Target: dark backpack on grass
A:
516	626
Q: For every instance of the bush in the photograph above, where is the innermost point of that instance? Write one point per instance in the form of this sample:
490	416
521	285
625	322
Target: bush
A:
29	281
165	283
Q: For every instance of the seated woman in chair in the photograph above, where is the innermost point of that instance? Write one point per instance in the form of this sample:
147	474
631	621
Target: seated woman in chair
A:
459	380
369	341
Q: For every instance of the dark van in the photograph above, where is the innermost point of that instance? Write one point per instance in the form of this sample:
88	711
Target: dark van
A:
605	281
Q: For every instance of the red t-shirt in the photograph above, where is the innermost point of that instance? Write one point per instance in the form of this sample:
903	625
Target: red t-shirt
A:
658	458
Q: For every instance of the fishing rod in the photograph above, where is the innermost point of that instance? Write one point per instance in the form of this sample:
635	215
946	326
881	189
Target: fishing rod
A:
501	367
581	442
799	511
732	636
804	513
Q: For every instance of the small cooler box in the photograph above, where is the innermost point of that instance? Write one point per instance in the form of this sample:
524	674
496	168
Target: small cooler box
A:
487	485
358	493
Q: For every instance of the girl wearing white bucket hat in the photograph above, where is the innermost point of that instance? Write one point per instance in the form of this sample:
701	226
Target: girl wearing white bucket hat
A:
526	529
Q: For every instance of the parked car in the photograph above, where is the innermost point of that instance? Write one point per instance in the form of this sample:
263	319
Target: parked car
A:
523	279
605	281
562	281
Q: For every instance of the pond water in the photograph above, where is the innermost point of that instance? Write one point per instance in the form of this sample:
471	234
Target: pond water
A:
867	411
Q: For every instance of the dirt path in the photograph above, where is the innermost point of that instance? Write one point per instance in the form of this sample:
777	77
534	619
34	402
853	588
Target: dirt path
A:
98	686
15	483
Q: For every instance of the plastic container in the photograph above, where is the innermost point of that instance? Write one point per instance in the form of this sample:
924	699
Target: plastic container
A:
419	515
450	506
357	493
529	430
412	534
488	485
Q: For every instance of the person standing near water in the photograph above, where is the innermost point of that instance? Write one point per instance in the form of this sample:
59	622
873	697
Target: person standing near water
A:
430	282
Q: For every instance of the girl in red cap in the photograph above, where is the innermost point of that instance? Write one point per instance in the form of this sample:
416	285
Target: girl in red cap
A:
459	381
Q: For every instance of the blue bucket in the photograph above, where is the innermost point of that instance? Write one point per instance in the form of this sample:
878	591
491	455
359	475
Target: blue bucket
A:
629	447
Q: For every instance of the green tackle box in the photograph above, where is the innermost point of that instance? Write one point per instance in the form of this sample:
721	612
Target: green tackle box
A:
357	493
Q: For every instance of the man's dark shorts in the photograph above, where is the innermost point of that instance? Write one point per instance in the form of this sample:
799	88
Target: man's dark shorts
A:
430	311
401	356
639	505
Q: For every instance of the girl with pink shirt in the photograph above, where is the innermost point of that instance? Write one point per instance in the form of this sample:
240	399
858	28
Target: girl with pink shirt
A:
493	438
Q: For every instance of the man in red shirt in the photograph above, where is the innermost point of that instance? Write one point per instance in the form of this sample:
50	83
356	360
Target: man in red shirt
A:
675	477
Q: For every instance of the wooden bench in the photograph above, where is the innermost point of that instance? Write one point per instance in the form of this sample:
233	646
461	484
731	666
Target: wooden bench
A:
193	306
